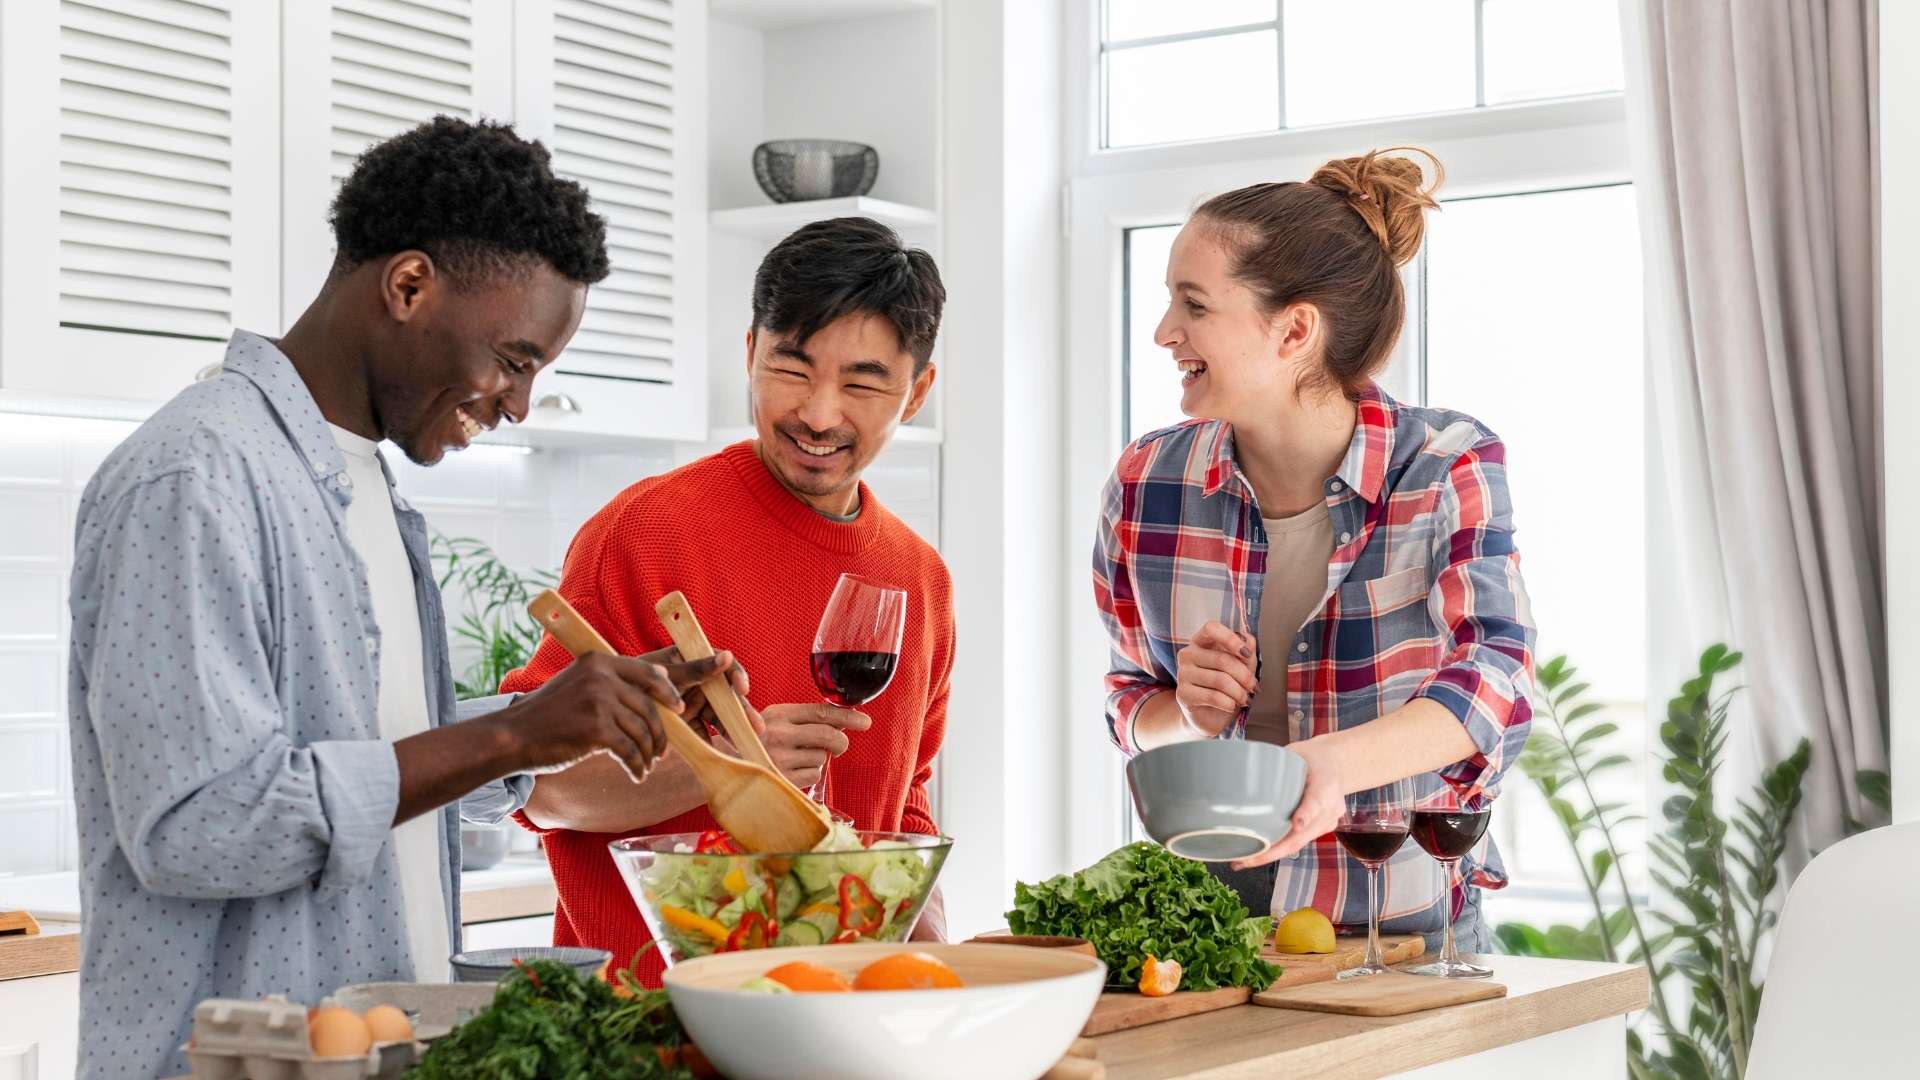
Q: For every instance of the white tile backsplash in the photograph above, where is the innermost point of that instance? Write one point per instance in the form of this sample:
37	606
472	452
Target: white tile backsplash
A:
527	506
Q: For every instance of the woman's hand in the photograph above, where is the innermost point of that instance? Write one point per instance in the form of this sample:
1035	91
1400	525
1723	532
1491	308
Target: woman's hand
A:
1321	804
1215	678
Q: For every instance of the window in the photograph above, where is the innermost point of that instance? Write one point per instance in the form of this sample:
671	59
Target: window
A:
1207	69
1534	248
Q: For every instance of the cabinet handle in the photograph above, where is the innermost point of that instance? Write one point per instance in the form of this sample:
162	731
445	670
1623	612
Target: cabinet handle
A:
559	402
208	372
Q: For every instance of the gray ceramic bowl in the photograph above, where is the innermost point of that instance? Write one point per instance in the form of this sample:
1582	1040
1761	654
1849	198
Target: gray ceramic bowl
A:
1217	800
492	965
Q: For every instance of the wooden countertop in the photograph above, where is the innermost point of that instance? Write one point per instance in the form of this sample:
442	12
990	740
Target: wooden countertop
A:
1543	996
55	950
518	887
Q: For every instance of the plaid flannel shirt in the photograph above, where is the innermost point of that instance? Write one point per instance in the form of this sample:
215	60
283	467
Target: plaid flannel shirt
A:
1424	600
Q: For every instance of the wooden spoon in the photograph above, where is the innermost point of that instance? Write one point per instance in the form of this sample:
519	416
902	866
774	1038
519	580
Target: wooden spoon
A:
756	805
676	614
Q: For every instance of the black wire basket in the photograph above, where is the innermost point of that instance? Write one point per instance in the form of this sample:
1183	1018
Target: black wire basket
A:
796	170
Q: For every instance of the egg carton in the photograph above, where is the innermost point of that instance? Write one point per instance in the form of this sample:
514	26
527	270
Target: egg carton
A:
267	1040
434	1008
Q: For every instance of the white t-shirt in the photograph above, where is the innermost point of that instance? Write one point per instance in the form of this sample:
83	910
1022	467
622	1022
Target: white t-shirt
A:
1294	587
419	843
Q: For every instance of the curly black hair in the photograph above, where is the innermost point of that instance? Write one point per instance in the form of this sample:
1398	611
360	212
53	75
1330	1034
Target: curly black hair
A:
476	197
843	266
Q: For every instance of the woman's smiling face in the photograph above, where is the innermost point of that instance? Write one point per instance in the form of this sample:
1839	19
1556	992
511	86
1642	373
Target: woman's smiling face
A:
1229	351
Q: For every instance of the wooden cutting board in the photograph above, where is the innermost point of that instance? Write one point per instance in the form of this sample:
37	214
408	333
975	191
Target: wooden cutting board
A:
1119	1010
1392	994
1299	969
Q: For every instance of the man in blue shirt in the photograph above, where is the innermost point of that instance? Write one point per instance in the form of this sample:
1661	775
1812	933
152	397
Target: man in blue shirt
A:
263	715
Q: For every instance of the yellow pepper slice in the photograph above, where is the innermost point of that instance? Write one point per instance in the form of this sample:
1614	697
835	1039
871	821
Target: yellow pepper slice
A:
735	881
682	919
827	907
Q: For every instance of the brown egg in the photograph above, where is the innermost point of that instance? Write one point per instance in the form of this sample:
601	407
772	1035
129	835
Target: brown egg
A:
389	1024
338	1032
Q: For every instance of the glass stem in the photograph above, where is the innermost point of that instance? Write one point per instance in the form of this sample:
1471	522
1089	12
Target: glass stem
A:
1373	916
1449	952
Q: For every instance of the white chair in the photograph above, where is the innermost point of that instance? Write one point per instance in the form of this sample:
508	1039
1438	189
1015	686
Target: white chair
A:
1840	997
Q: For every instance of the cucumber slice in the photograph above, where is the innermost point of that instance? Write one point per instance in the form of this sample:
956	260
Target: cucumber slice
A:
800	932
788	897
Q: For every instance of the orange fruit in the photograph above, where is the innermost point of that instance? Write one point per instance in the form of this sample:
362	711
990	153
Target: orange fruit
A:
1158	978
804	978
907	971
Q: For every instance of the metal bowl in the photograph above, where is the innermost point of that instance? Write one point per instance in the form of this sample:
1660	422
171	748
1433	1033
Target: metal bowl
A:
492	965
483	846
1219	799
796	170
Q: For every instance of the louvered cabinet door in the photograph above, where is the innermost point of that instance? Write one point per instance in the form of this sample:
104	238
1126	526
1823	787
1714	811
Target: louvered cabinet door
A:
617	90
139	142
358	72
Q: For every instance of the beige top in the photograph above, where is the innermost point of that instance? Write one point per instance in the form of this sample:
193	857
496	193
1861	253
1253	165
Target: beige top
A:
1295	585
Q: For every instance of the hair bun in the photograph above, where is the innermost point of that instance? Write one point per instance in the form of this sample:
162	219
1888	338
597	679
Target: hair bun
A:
1389	193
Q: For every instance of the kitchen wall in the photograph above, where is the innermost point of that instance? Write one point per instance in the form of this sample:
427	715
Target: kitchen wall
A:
527	506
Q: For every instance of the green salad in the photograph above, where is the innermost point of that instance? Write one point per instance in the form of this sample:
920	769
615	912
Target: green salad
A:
844	890
1144	900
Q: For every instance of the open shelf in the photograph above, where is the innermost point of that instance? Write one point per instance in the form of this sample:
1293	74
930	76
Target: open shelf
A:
776	220
785	14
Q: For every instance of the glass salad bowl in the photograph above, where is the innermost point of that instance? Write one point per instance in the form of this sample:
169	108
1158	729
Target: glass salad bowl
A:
700	895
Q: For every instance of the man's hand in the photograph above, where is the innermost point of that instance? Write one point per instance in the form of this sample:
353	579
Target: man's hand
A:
602	702
801	738
699	711
1215	677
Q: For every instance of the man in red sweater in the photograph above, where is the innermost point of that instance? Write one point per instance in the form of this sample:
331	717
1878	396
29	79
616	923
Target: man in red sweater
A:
756	536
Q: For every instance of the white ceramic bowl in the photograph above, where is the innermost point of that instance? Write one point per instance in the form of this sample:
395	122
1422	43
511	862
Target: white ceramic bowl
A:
1018	1013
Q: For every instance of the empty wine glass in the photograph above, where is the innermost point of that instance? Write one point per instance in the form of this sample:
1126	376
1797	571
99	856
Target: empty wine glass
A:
1373	827
857	647
1447	826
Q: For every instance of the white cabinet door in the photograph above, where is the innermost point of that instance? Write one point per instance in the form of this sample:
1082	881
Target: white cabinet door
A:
39	1027
507	933
140	146
618	92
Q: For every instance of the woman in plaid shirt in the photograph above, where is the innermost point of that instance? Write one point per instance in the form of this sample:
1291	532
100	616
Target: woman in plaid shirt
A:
1310	562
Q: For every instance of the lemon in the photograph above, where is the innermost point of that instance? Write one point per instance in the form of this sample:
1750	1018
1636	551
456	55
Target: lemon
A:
1303	931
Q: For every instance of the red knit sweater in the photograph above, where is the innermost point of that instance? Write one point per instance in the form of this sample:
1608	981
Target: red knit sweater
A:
758	566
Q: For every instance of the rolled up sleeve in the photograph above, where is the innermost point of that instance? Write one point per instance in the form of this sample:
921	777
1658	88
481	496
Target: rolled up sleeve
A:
173	641
1479	599
492	802
1130	679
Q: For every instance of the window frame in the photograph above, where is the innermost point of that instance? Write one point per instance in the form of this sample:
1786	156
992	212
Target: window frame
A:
1488	151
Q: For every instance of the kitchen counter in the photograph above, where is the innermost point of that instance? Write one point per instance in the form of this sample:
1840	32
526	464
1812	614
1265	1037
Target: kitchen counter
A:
1568	1016
518	887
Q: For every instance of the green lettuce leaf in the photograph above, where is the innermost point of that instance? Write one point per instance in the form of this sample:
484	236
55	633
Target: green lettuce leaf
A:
1144	899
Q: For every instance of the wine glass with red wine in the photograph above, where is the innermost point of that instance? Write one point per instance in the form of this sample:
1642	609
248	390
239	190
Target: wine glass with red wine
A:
857	647
1447	826
1374	826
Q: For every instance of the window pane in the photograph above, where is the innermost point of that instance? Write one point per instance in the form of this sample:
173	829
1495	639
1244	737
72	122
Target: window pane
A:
1533	327
1533	322
1348	61
1127	19
1551	48
1153	383
1193	89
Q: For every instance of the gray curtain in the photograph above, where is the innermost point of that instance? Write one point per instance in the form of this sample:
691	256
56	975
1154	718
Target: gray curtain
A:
1754	125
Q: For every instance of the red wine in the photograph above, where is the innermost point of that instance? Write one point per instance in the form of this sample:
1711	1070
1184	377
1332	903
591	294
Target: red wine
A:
1449	834
1372	843
853	678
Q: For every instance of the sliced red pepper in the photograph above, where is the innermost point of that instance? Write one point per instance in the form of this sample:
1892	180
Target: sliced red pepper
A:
844	937
859	911
755	931
715	842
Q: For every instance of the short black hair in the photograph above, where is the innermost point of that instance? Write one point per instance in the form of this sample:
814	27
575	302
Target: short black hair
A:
475	196
845	266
